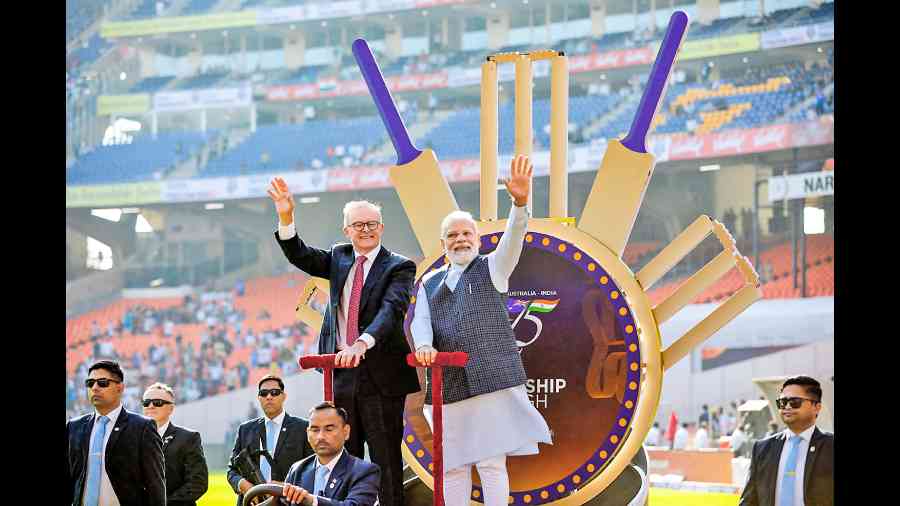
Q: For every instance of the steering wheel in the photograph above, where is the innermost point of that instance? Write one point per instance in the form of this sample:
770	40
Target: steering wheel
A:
264	489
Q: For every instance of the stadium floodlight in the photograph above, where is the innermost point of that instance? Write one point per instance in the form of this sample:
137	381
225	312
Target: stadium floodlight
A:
210	206
309	200
709	168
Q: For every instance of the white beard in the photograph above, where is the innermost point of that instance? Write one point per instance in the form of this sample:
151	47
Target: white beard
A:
461	257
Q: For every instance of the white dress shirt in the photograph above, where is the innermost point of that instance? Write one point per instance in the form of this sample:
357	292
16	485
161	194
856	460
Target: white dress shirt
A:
278	420
501	263
330	465
107	494
162	430
286	232
802	449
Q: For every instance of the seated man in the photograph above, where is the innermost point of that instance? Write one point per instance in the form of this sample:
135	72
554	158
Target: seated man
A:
332	477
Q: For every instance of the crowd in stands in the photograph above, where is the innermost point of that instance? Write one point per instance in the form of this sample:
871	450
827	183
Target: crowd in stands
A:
716	427
202	345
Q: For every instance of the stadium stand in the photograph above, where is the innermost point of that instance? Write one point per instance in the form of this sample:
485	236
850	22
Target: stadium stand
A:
151	84
779	285
207	80
89	51
281	147
137	161
80	14
203	345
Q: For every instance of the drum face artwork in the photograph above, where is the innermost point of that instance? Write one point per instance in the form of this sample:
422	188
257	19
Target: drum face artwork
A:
581	344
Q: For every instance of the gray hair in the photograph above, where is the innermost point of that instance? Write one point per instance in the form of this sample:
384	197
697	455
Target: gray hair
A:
163	387
457	216
353	204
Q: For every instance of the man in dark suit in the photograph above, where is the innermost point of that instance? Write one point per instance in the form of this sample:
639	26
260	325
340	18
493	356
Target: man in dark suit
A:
113	456
332	477
276	430
187	476
370	292
794	467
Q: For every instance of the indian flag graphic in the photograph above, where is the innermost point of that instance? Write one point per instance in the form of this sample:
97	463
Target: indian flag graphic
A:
543	305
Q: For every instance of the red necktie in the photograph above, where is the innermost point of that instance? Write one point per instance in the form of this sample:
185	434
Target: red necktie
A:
355	295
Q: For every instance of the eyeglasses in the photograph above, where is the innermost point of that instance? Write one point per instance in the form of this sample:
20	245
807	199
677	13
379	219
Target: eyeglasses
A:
794	402
156	402
275	392
102	382
360	226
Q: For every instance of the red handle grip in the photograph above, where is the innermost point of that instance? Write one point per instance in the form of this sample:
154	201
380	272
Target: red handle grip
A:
443	359
313	361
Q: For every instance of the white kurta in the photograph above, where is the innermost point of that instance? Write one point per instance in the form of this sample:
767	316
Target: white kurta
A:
497	423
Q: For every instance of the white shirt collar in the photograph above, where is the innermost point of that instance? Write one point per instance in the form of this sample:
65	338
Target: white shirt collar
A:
806	434
162	430
330	465
112	415
370	256
278	419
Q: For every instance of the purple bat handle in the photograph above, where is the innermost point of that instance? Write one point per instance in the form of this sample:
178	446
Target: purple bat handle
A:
656	85
406	152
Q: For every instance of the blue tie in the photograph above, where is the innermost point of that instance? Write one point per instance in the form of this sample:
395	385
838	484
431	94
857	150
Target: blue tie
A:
270	445
95	464
321	471
786	497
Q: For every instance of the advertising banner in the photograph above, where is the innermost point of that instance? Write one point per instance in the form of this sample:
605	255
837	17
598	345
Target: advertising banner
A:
328	10
216	21
113	194
135	103
241	96
754	140
193	190
276	15
705	48
333	88
800	186
797	35
241	187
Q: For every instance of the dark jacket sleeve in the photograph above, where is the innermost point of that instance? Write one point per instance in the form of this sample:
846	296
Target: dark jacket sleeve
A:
153	466
395	302
293	476
313	261
233	476
363	490
749	496
197	475
70	483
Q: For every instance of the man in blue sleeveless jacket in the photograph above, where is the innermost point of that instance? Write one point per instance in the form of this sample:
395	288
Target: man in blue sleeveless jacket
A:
462	307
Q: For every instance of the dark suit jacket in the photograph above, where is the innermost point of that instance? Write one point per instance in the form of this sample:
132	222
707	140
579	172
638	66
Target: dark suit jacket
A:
353	482
292	445
187	476
818	473
385	297
133	459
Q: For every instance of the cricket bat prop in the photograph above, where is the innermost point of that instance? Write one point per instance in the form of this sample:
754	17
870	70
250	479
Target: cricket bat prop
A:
623	176
422	188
